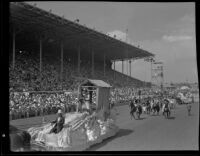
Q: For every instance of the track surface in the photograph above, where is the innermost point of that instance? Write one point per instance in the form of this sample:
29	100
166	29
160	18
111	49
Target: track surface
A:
180	132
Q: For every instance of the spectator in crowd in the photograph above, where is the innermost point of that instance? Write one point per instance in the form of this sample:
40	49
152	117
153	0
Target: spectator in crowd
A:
26	78
37	104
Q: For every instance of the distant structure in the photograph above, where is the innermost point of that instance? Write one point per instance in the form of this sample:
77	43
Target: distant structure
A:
157	76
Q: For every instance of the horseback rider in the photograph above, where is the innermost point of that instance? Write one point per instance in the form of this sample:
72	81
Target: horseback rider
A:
148	105
59	122
139	107
165	105
189	107
112	104
133	105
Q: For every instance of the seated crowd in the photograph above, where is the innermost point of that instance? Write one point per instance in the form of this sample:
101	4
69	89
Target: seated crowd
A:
24	104
26	81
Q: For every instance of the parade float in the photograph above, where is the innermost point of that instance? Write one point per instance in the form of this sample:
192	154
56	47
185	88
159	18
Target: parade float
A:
184	95
92	122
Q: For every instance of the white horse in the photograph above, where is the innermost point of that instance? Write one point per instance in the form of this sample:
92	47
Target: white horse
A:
144	109
166	111
172	103
151	104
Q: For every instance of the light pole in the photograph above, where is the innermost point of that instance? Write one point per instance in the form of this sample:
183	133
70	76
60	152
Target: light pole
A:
151	60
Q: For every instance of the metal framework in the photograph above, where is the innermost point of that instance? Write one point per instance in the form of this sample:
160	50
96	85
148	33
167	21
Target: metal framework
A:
157	74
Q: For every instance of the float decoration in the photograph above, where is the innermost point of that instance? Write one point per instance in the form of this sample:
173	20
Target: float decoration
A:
92	122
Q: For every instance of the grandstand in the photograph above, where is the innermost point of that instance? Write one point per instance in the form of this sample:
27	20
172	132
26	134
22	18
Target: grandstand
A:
49	52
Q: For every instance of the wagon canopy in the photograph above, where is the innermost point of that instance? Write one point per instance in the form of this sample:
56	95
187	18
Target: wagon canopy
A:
184	88
96	83
102	92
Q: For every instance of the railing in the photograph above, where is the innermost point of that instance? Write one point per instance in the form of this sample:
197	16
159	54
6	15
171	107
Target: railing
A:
67	104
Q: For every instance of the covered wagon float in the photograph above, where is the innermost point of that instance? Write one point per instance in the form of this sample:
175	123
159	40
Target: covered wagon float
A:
92	122
184	95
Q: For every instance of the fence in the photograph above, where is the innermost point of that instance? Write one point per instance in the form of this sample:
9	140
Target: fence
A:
29	104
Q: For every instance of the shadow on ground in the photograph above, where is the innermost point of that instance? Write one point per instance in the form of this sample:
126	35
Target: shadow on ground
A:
140	118
121	133
171	117
191	115
155	115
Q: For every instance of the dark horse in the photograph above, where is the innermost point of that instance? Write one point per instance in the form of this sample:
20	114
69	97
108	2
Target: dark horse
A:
138	111
156	108
166	111
19	139
148	107
189	107
133	109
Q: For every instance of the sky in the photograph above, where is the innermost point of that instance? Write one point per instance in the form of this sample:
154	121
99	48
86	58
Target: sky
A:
164	29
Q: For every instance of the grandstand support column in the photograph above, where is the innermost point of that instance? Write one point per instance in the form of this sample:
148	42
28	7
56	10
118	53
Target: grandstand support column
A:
40	55
92	63
151	73
61	67
130	67
122	66
104	64
14	49
127	71
79	56
114	68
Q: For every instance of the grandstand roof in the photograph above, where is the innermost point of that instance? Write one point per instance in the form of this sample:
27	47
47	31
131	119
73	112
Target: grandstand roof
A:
28	17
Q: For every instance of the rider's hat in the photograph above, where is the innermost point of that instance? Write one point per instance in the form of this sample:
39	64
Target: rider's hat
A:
166	100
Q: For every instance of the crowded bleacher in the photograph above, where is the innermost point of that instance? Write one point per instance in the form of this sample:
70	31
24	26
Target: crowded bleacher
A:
35	80
29	90
35	94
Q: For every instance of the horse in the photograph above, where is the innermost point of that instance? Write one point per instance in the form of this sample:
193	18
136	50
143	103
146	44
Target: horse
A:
180	100
189	107
19	139
148	107
144	109
172	103
166	111
156	108
133	109
138	111
151	106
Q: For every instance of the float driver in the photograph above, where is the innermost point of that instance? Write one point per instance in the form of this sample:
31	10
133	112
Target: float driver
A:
59	122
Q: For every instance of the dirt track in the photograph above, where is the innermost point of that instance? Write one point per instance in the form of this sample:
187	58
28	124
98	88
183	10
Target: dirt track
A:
180	132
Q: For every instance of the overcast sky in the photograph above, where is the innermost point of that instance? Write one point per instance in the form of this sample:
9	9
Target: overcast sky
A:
165	29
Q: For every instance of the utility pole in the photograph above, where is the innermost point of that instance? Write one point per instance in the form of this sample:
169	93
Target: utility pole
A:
151	60
127	56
